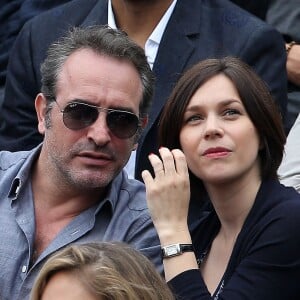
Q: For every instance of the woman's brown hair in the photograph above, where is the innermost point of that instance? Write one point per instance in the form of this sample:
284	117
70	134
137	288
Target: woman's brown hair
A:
256	99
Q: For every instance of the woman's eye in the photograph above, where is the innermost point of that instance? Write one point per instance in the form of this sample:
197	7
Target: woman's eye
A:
193	119
231	112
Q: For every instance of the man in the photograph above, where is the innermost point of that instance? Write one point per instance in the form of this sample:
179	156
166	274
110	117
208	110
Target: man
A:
289	170
175	34
285	17
96	88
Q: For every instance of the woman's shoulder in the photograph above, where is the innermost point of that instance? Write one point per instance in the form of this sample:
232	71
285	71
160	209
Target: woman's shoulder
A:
274	196
275	216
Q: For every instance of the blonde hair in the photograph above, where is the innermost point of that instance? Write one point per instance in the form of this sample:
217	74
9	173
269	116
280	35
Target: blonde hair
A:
110	270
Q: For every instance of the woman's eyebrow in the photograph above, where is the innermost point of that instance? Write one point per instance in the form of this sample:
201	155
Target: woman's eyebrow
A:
224	102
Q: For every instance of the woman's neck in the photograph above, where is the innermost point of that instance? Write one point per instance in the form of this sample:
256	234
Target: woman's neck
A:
233	202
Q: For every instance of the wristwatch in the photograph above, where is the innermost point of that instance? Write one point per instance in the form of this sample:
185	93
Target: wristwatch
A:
176	249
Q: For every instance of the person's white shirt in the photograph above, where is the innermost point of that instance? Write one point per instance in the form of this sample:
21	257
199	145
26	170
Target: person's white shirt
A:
289	170
151	48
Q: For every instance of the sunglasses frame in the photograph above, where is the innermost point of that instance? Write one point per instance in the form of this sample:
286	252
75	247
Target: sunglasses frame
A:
100	109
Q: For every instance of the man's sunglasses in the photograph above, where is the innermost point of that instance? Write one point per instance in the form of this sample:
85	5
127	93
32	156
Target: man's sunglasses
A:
79	115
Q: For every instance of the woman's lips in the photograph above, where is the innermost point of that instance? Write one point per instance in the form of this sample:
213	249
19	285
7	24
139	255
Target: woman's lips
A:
216	152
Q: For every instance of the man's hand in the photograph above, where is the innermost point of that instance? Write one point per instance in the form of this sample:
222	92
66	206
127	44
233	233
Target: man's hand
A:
293	64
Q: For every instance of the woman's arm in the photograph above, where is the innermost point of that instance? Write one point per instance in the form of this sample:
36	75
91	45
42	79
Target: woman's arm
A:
168	195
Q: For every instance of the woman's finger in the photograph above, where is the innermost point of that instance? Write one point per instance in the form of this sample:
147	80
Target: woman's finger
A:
180	162
147	177
168	160
157	165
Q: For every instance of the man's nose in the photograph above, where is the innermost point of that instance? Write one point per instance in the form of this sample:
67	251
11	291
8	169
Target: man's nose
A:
99	131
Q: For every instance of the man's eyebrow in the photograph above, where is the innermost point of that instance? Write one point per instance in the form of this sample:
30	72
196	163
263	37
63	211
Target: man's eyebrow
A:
122	108
117	107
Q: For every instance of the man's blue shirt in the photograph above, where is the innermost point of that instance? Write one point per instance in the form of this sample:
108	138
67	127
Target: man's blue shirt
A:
121	216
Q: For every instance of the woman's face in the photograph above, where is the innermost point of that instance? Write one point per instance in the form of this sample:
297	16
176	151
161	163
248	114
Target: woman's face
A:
65	285
218	138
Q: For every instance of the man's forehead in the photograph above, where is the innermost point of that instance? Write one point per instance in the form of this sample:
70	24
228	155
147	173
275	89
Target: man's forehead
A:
91	76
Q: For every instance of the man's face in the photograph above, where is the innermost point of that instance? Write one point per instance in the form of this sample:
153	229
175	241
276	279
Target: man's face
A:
91	157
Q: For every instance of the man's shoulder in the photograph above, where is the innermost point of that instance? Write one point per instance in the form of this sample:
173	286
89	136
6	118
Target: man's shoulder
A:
71	9
73	13
221	12
45	28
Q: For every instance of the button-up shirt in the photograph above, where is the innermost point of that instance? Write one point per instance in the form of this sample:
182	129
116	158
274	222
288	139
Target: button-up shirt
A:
121	216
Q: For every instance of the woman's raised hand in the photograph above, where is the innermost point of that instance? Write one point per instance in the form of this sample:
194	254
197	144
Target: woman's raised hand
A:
168	193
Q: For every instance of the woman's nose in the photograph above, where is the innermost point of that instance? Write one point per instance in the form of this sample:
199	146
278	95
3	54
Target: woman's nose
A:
213	127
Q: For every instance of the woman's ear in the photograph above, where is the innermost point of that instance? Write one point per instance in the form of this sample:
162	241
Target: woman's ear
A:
262	143
40	107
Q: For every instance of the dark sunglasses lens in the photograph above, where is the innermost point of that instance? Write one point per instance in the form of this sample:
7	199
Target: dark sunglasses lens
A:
122	124
78	116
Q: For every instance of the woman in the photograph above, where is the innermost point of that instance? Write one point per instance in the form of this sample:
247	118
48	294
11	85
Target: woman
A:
99	271
228	136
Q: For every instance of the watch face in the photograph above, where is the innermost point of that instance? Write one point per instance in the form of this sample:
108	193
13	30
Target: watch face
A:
172	250
176	249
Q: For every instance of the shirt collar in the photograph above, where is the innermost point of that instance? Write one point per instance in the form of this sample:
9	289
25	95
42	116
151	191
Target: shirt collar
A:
110	17
24	173
158	31
112	193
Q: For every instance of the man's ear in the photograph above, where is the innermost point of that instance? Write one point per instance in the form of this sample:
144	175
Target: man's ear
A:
40	107
144	121
143	124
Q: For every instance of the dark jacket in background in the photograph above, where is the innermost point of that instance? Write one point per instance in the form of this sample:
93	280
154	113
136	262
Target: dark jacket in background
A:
258	8
197	29
13	15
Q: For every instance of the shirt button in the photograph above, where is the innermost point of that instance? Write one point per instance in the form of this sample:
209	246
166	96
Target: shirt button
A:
24	268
